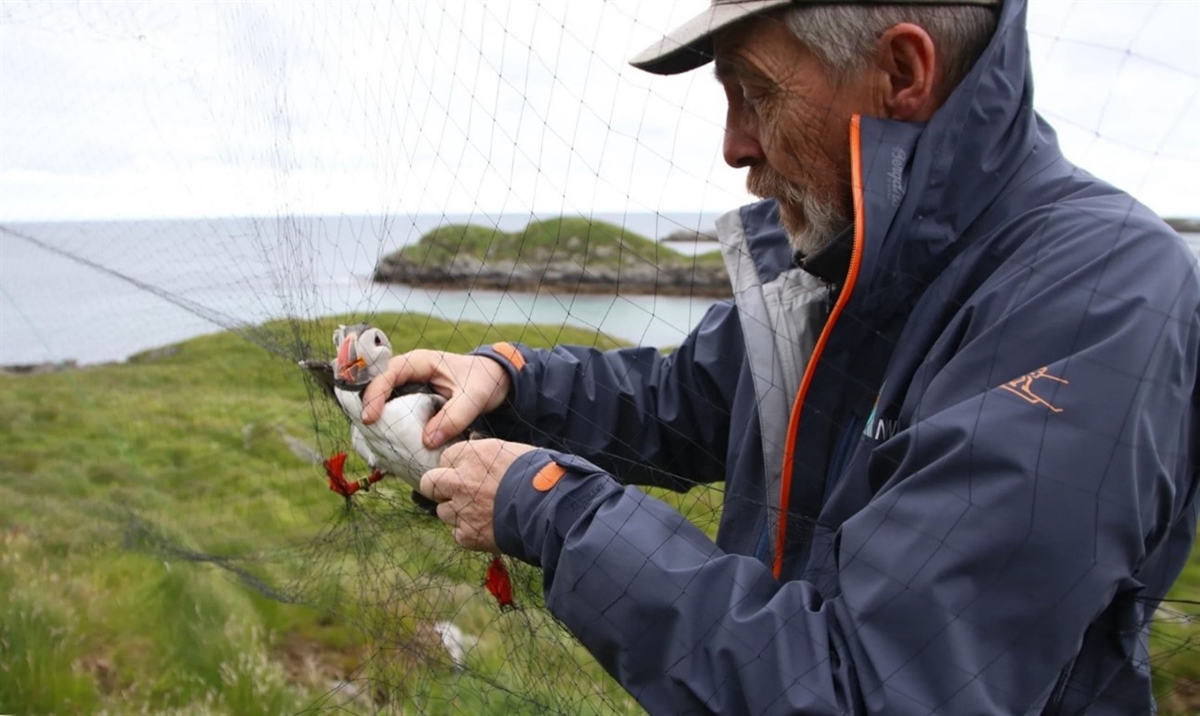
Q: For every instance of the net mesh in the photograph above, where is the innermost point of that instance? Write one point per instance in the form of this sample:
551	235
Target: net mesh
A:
243	172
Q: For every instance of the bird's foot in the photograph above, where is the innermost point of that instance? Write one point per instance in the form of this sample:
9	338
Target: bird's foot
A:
365	483
335	470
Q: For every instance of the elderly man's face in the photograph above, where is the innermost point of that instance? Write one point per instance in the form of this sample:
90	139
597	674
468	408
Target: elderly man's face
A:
788	122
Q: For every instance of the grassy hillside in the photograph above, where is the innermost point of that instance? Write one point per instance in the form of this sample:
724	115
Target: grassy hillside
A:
165	549
157	525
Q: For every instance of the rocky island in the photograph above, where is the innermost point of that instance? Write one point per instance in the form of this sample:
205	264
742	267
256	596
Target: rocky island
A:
1184	225
567	255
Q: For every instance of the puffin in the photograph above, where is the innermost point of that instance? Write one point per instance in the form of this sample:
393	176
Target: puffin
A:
392	445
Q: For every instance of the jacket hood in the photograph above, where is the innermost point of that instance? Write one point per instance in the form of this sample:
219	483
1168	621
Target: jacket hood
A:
924	186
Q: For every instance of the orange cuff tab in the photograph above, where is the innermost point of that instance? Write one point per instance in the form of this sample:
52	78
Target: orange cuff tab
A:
548	477
510	353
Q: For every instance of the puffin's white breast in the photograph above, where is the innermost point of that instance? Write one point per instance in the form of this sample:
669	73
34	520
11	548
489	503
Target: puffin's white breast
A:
395	439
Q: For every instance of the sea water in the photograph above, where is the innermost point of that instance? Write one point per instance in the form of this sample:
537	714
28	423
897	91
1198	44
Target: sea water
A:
93	292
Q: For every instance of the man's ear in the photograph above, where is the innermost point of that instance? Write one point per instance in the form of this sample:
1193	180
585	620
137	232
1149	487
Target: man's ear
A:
911	73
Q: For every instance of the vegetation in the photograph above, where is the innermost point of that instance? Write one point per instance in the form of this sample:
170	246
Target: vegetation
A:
586	242
164	548
564	255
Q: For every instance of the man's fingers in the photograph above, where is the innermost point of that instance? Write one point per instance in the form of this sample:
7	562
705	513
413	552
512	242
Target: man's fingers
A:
447	514
415	366
450	456
373	399
380	388
435	484
454	417
465	487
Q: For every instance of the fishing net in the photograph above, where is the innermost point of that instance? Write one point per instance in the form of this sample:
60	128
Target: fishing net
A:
194	196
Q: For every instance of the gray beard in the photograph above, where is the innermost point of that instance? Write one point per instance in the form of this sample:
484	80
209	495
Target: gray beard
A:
822	223
819	221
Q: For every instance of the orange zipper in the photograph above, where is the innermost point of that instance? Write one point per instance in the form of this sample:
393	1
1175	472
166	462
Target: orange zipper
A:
785	488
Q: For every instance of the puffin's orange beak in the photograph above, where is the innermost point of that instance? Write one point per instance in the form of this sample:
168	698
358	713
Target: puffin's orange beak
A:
349	363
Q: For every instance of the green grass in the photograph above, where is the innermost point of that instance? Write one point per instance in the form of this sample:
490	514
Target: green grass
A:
156	522
156	527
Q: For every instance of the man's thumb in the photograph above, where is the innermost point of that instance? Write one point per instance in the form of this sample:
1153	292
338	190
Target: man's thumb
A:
446	423
373	400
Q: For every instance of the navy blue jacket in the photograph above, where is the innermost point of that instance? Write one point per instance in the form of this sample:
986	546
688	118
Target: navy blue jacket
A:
993	468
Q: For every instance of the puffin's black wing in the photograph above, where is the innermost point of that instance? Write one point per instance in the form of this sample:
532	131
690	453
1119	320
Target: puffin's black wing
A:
322	373
410	388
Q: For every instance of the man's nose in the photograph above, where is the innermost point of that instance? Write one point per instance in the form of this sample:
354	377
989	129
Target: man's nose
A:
741	147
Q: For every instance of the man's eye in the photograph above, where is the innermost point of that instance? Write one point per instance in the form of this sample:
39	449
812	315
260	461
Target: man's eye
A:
754	95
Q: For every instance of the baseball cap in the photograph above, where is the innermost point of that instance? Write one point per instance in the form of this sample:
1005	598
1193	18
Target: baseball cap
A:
690	45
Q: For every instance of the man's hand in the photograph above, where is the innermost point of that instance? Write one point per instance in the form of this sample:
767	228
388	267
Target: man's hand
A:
473	385
465	485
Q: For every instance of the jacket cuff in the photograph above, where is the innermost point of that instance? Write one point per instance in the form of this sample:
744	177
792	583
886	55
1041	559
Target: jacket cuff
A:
514	358
540	499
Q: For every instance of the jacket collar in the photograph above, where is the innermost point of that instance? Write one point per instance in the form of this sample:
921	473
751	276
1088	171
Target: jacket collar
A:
832	263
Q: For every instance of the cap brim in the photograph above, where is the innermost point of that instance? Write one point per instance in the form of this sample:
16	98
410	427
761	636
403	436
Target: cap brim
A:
690	45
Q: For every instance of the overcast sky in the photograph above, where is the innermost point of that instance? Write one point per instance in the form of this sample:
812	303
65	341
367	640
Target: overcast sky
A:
158	109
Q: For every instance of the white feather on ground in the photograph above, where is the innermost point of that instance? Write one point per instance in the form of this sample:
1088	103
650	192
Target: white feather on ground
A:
456	642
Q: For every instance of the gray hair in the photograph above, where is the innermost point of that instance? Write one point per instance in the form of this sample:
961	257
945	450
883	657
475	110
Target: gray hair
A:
843	36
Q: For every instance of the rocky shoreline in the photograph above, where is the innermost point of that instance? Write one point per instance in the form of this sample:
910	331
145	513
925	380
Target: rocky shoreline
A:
1184	226
689	236
38	368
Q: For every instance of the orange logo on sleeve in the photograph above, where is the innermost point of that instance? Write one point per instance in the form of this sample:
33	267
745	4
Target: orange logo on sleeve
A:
1023	387
510	353
548	477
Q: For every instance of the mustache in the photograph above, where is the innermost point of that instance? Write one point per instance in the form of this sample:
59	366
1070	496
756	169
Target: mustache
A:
764	182
811	223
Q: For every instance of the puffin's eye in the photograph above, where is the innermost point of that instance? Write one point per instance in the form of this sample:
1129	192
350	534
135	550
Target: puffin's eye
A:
378	340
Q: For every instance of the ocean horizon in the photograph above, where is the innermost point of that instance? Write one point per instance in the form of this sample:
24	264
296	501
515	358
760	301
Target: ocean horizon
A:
87	292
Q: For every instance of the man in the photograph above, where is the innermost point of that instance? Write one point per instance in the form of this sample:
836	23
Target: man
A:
956	428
